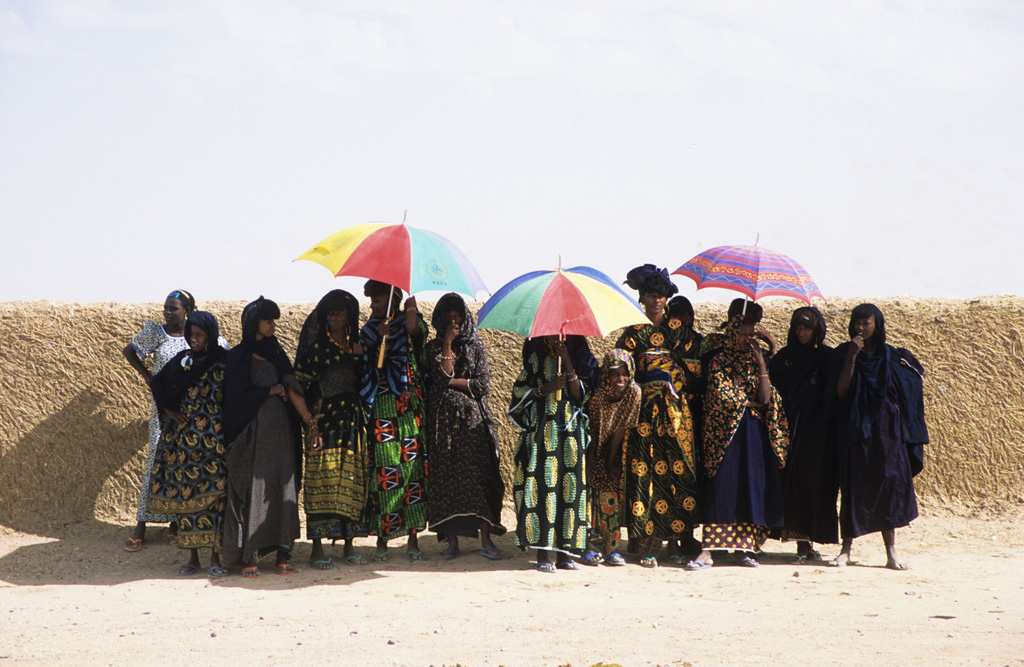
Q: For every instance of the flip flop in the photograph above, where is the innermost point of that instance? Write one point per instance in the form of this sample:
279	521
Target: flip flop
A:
327	564
614	558
649	562
677	560
217	571
186	570
285	569
747	561
567	565
492	553
448	554
355	560
251	572
696	566
592	558
381	557
416	556
133	544
544	567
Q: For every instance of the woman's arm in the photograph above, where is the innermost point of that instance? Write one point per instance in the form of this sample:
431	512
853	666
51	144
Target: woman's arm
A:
764	385
846	375
133	360
297	400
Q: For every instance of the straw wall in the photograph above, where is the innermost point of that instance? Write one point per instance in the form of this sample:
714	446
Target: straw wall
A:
73	413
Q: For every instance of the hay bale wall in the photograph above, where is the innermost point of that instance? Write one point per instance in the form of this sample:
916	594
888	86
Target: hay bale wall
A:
73	413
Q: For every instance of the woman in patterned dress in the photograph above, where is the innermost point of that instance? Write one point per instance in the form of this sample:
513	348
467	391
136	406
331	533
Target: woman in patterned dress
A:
163	342
550	484
745	444
613	410
397	454
662	480
189	478
329	362
466	489
263	402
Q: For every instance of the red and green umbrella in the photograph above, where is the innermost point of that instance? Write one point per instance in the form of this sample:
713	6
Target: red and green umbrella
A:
751	270
410	258
580	300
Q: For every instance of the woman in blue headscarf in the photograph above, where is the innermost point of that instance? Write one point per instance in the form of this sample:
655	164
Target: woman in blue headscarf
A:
880	429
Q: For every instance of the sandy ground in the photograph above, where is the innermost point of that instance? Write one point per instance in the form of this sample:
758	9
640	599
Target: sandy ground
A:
77	597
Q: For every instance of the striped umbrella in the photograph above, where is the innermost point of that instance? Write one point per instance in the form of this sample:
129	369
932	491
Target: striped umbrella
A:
751	270
580	300
410	258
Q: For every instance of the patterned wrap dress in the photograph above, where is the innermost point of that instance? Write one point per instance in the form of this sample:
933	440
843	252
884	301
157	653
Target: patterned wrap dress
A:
745	449
396	455
663	483
465	480
550	484
153	340
189	477
608	491
335	480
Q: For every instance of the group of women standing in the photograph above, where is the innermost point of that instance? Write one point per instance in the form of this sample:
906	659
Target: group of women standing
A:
235	434
669	432
683	430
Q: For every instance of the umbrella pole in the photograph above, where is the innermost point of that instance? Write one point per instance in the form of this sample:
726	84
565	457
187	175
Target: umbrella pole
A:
387	315
561	337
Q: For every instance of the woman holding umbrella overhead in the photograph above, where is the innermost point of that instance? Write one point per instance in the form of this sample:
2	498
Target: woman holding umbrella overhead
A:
397	455
549	487
662	482
465	484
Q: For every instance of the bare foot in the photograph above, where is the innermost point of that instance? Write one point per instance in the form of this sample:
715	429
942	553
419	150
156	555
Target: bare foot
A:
842	560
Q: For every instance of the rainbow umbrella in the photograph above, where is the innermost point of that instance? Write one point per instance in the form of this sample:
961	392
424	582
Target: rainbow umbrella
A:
410	258
580	300
751	270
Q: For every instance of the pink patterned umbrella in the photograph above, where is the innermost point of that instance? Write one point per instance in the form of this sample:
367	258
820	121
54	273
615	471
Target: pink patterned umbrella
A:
751	270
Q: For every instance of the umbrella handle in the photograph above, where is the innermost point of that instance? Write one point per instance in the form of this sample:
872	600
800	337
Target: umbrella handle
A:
383	343
558	392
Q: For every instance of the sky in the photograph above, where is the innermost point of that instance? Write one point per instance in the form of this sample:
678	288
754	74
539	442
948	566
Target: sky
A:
152	146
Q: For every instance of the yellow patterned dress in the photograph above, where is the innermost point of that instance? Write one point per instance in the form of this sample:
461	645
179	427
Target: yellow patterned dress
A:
662	480
550	485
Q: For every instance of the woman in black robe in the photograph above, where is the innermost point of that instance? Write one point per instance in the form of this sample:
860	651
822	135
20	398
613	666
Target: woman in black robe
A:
879	430
810	484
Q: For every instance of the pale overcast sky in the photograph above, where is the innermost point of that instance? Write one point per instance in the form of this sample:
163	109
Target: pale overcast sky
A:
149	146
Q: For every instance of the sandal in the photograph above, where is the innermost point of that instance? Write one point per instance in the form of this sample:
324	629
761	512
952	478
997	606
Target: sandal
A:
567	565
416	556
355	560
285	569
649	561
381	556
696	566
251	572
592	558
677	560
447	554
217	571
133	544
747	561
492	553
614	558
327	564
544	567
186	570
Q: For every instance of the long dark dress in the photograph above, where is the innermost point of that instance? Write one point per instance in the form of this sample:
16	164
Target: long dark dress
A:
465	481
744	450
875	474
263	474
335	480
662	479
550	484
810	484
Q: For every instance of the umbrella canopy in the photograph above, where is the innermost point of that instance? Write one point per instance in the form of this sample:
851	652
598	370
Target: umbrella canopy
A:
580	300
411	258
751	270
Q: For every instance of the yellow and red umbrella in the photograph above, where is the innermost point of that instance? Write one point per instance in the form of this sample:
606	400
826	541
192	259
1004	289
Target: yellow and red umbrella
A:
580	300
413	259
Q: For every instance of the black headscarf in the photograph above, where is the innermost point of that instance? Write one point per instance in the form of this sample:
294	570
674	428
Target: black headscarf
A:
679	307
447	304
869	385
181	372
315	326
650	279
798	371
242	400
583	362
